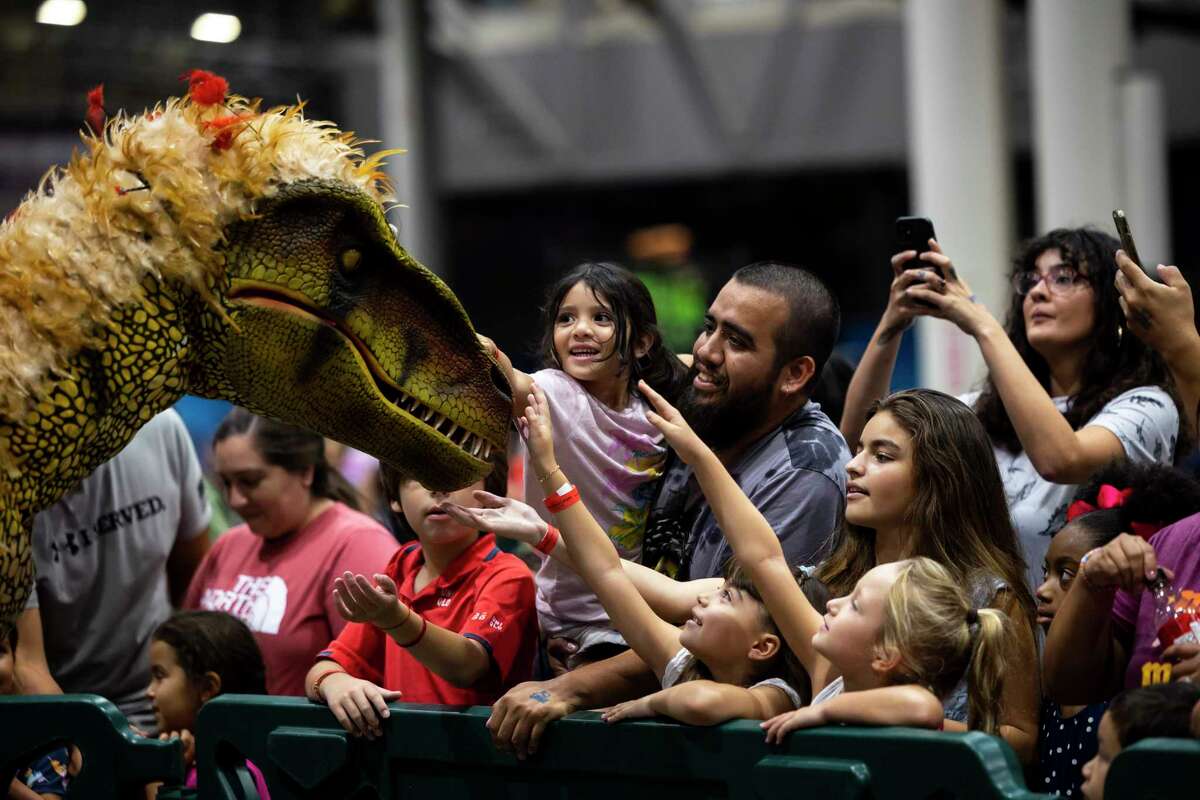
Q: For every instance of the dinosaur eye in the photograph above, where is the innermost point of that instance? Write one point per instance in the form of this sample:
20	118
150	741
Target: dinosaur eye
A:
351	257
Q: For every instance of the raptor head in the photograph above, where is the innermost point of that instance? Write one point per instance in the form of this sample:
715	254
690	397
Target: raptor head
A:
336	328
212	247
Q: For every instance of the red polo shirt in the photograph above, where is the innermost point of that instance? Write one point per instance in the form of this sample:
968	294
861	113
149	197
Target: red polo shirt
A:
485	594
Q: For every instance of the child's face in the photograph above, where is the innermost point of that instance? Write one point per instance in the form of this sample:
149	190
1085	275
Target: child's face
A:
1095	772
1060	568
7	683
175	699
724	625
880	486
853	624
423	510
585	336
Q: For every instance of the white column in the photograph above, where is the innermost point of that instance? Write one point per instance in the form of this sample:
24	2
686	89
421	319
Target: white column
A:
1078	48
402	118
959	164
1146	198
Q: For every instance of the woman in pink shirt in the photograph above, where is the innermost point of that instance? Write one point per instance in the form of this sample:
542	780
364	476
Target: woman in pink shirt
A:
302	528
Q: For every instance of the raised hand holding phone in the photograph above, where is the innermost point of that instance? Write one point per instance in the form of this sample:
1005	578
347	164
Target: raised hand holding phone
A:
913	234
1129	247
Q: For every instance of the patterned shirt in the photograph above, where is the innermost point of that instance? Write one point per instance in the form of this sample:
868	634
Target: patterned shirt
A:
1145	421
795	476
614	458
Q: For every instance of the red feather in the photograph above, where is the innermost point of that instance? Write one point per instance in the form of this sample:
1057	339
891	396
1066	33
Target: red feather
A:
206	88
95	113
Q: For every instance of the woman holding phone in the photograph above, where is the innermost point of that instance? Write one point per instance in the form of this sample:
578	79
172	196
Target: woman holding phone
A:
1068	390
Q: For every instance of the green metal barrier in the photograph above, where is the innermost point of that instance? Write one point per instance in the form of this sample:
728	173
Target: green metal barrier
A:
116	761
1155	769
435	751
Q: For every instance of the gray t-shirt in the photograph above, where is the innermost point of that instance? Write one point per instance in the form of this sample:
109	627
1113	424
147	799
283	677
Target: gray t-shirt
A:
101	554
1145	421
795	476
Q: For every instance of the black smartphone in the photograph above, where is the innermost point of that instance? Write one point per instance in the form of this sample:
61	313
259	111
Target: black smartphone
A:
1129	247
914	233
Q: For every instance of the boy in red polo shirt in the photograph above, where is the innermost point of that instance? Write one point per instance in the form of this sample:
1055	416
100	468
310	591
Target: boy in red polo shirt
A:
450	621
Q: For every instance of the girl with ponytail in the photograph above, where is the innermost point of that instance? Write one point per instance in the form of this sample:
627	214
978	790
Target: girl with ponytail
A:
903	638
301	529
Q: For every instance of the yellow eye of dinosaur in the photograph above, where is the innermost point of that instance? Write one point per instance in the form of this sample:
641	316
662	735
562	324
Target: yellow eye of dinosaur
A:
350	259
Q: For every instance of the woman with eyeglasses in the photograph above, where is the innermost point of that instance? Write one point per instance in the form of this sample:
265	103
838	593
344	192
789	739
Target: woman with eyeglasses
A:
1068	388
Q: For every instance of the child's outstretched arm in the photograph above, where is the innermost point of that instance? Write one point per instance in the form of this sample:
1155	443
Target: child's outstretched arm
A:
910	705
704	703
596	559
518	381
458	659
753	540
670	599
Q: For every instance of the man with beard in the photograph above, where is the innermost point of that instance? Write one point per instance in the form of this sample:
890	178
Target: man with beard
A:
766	338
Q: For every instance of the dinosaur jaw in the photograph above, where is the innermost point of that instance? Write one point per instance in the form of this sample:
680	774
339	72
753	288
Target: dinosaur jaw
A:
446	431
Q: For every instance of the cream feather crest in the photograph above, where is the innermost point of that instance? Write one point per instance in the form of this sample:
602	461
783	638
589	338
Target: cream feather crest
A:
147	200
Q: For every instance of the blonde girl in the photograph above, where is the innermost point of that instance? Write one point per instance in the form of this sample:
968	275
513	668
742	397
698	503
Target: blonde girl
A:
890	650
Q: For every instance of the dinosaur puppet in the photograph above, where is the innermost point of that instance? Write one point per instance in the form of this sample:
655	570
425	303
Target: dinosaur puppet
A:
208	247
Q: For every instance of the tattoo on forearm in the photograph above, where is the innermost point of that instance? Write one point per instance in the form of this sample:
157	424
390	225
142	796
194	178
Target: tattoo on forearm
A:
887	334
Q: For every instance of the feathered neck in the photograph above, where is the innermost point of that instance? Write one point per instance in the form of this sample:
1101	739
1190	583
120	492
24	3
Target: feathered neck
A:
148	200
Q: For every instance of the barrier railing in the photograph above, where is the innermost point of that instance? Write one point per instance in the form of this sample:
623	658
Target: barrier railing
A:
435	751
429	751
1155	769
117	762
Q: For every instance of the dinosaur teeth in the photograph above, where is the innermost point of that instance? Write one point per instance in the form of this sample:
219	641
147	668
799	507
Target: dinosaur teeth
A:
487	451
453	430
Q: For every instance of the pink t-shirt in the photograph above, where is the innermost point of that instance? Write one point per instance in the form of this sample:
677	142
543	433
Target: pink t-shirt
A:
283	589
1177	547
613	458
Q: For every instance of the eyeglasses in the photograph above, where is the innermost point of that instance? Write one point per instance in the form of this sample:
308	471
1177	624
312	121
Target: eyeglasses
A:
1060	279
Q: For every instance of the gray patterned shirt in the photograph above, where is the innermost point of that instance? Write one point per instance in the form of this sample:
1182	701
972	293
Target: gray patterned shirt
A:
1145	421
795	476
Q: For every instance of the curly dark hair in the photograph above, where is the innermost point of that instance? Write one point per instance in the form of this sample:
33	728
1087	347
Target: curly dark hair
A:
632	308
1161	495
1117	360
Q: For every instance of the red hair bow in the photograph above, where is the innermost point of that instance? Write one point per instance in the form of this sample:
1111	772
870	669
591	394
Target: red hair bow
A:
1110	496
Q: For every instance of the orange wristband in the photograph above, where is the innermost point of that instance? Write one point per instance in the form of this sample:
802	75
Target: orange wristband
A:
549	541
321	679
566	496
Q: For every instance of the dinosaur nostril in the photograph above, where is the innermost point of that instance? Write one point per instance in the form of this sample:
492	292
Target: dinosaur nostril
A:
501	383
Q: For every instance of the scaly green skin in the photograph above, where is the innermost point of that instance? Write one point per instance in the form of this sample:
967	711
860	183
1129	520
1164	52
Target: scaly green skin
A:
318	260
